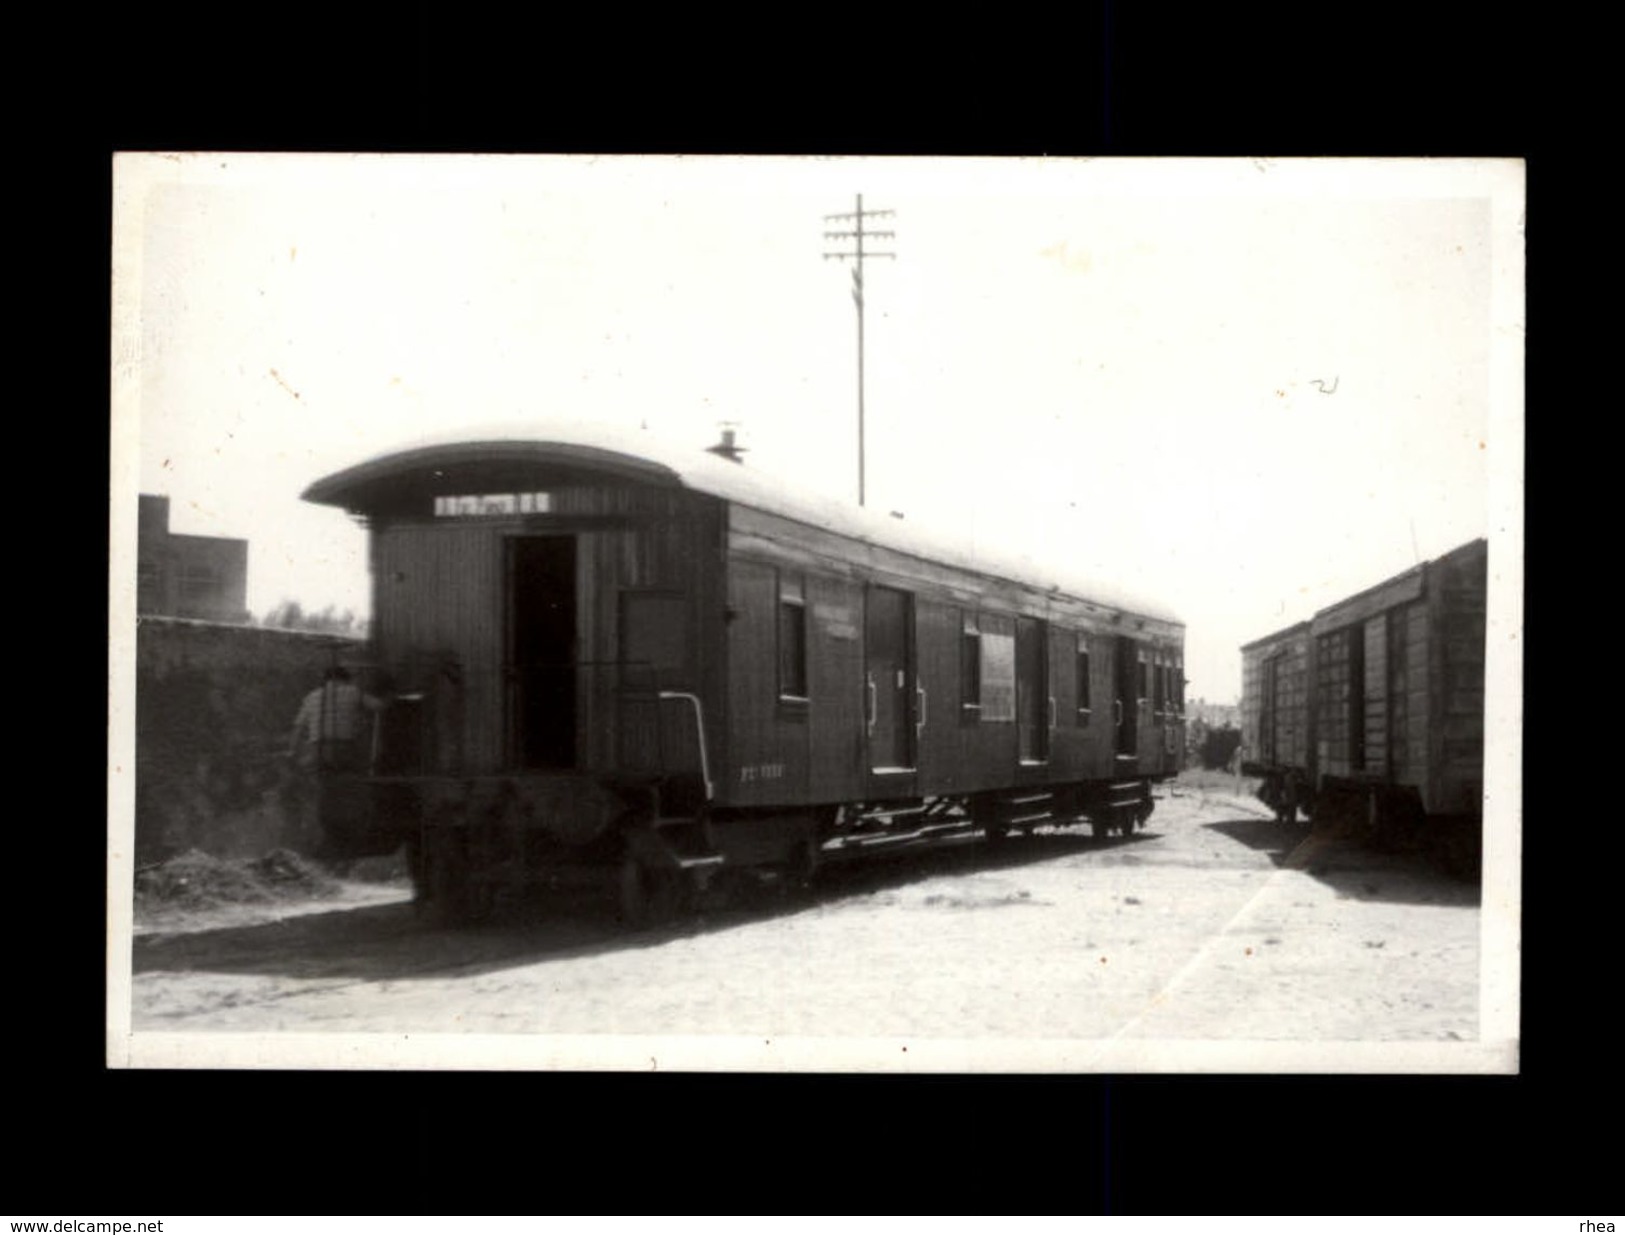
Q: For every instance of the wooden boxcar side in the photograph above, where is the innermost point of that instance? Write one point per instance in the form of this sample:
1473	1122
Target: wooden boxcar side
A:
1366	649
1457	607
1374	709
1277	718
1275	700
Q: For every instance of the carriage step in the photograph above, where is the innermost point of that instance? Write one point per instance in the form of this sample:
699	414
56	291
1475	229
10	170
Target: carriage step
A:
925	834
1042	816
895	812
674	821
1029	799
879	840
704	862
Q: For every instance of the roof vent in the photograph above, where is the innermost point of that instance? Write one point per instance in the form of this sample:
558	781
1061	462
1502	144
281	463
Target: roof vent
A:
726	447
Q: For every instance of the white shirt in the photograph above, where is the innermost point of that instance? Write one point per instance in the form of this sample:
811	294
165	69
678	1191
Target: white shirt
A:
332	713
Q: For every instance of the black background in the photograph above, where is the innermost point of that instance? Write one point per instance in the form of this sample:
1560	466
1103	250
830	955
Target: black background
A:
1100	80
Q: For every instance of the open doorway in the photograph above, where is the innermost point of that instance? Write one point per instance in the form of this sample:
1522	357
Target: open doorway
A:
1033	701
889	679
1129	690
542	650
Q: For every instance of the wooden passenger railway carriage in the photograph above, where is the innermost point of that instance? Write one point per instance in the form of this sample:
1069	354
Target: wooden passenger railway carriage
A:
1373	711
602	656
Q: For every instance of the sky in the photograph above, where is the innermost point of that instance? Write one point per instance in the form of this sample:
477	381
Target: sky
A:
1243	388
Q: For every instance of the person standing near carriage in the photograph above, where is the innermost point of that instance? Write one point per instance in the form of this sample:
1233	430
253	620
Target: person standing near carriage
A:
332	736
333	730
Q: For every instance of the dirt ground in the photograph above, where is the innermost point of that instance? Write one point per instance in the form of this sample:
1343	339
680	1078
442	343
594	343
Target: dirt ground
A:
1215	924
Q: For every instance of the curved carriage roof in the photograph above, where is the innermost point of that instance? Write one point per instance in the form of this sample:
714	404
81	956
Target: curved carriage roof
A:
504	458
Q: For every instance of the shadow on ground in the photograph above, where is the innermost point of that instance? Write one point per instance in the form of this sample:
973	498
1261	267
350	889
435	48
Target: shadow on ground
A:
1276	840
1351	869
389	942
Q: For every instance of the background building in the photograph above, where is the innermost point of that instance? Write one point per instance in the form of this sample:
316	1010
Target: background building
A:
1212	733
1214	715
203	577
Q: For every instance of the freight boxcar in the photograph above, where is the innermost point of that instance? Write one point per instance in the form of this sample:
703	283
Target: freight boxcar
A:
1373	711
601	655
1275	717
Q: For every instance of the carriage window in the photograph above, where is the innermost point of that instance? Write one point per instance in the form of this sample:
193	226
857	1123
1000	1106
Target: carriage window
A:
1083	680
1159	691
1144	690
792	637
998	685
970	668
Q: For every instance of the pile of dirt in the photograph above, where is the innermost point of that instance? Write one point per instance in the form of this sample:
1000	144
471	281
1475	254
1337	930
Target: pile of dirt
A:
287	873
196	880
389	868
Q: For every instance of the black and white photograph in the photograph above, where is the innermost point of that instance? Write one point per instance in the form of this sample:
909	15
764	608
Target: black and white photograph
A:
767	614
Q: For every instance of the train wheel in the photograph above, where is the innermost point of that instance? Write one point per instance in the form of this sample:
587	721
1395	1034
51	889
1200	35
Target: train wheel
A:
648	895
1287	810
635	893
417	871
984	813
479	898
445	876
1101	827
803	863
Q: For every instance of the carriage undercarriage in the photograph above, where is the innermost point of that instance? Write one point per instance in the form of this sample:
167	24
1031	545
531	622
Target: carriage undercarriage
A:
471	842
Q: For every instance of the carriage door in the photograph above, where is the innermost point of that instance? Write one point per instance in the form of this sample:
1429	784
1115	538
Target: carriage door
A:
1126	700
1034	705
889	680
541	676
654	735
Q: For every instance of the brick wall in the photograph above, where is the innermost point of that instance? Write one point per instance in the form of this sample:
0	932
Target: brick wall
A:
214	708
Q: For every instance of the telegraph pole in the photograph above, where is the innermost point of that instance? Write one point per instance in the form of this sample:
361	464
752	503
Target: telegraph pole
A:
857	235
